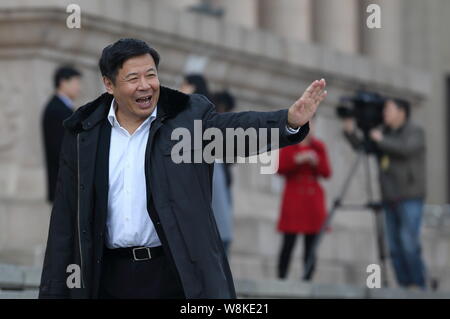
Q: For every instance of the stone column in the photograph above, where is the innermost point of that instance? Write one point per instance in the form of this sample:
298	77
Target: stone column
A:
288	18
384	44
240	12
336	24
180	4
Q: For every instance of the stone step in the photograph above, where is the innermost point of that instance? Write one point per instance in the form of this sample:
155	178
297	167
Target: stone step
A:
303	290
19	277
22	294
269	289
20	282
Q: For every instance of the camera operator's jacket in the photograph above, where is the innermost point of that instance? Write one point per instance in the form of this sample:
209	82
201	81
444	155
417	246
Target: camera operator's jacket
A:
178	196
401	156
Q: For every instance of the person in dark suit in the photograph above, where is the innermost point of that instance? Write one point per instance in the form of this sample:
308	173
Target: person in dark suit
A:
60	107
137	222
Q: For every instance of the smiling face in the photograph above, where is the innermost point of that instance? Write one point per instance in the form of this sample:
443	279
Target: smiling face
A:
136	89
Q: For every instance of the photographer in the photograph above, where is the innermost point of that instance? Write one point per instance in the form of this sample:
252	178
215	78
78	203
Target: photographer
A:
400	149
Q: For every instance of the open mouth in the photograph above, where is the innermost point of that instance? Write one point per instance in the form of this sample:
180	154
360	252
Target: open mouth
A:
145	101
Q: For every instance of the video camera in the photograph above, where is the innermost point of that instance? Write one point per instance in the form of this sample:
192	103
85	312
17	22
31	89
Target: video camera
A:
367	110
365	107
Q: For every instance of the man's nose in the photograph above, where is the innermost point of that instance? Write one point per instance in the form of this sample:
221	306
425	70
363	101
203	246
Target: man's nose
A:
143	84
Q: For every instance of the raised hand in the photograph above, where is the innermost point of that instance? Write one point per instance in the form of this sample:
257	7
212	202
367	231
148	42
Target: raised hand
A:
304	108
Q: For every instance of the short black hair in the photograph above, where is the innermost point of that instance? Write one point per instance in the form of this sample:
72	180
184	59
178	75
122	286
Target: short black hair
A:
225	99
115	55
65	72
402	105
200	83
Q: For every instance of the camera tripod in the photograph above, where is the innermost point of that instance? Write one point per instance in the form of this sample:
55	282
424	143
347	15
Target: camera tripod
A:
376	207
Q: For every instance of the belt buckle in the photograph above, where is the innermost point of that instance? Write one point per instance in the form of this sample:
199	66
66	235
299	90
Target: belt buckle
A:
145	258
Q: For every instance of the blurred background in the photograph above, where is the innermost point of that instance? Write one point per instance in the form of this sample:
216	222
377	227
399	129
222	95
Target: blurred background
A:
265	53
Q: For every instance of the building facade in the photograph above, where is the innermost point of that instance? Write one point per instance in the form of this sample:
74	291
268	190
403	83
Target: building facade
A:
265	52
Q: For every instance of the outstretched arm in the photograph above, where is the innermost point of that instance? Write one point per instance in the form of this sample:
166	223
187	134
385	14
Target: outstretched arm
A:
295	117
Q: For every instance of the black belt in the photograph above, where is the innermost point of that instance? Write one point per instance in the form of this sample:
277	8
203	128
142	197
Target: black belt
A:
136	253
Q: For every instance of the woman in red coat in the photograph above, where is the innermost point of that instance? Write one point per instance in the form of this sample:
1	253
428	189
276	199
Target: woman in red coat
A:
303	207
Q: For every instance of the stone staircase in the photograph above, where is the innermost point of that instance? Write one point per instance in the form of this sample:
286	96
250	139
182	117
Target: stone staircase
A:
21	282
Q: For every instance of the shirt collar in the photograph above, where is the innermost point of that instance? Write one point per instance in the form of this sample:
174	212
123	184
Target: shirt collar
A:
113	119
67	101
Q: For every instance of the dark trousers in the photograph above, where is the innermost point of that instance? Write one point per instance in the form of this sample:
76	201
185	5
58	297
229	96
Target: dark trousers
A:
124	278
286	252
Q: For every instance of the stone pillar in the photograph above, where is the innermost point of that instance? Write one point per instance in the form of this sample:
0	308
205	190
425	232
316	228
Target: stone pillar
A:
384	44
288	18
336	24
180	4
240	12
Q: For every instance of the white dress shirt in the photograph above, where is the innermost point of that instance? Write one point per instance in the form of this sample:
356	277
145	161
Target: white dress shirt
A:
67	101
128	223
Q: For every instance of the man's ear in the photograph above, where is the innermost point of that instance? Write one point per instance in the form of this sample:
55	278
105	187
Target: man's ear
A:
108	85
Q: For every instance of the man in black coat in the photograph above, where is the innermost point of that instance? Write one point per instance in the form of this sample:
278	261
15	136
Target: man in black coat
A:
129	219
59	108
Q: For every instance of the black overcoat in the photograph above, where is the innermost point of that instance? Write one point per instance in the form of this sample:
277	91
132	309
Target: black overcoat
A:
178	197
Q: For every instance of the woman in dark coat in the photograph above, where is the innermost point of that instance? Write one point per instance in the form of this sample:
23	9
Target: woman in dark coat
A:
303	208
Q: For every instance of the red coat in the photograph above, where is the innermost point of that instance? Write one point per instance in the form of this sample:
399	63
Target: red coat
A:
303	207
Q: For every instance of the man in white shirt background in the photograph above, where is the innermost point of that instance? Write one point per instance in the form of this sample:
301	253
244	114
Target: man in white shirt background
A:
61	106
